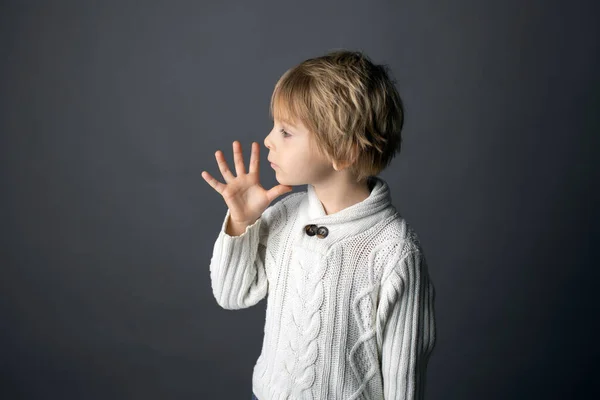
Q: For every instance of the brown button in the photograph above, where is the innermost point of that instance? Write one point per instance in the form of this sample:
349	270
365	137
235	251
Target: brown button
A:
311	230
322	232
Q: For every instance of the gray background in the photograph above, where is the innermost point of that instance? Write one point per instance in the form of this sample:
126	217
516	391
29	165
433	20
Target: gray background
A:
111	110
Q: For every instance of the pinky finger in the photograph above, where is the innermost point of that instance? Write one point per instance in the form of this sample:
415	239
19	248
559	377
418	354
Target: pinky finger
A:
218	186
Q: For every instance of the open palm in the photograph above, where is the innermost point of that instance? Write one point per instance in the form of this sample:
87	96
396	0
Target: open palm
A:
244	195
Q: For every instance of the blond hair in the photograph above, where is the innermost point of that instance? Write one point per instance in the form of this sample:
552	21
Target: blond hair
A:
350	106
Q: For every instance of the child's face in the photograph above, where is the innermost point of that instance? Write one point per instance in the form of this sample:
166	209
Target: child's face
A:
297	163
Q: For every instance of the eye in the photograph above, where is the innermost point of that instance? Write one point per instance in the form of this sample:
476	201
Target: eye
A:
284	133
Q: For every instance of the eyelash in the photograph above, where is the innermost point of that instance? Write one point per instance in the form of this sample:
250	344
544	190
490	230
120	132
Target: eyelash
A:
284	133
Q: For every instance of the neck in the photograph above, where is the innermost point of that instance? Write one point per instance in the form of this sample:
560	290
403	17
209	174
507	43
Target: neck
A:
339	192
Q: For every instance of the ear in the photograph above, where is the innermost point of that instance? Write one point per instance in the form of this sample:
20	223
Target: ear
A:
342	166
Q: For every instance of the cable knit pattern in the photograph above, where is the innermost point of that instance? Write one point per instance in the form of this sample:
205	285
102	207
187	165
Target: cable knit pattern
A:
349	316
307	298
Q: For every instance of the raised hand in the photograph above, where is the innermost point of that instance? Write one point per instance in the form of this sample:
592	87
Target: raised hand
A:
244	195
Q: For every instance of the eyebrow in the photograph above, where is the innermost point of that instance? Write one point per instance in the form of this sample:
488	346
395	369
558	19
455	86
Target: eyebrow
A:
285	121
287	124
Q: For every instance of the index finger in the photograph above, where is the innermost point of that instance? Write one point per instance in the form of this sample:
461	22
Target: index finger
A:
218	186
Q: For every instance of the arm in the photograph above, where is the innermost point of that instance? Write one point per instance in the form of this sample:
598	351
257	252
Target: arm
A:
237	265
406	328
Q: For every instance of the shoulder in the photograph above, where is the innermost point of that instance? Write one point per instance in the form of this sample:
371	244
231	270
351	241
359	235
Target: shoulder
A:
398	241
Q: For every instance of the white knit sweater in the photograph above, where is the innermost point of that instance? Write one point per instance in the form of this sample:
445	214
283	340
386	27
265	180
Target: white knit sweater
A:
349	316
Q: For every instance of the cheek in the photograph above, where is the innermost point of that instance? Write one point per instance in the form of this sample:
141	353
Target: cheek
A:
300	162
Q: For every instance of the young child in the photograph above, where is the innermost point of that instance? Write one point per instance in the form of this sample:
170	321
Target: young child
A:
350	305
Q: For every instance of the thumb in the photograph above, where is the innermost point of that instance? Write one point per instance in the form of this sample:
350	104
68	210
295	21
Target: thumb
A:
277	191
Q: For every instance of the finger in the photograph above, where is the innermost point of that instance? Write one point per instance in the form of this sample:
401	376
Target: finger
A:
223	167
218	186
277	191
238	158
254	159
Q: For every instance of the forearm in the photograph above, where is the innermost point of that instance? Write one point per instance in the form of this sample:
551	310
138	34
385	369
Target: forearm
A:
237	270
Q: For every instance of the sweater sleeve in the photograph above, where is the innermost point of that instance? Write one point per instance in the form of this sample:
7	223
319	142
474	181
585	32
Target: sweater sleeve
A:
237	266
406	321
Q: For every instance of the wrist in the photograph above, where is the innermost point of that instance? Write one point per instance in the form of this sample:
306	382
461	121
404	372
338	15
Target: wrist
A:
235	228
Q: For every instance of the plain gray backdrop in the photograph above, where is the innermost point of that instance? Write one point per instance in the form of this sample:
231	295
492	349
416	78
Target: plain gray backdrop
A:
111	110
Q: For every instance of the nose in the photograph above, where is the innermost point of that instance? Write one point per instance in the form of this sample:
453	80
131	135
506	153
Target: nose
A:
267	141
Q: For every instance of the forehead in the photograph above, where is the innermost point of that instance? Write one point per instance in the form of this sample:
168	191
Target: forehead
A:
285	107
286	119
282	112
287	111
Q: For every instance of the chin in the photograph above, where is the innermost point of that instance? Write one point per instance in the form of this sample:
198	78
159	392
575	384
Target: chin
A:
283	182
286	182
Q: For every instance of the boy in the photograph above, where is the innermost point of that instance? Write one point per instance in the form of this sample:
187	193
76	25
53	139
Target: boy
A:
350	305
